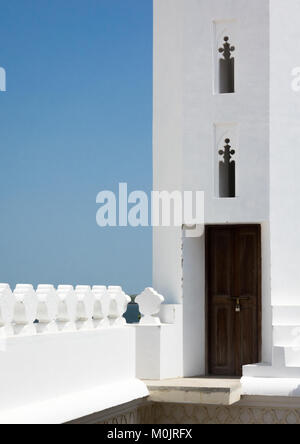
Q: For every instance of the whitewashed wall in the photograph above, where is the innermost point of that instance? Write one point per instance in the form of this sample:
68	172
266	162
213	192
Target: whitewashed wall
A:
67	353
186	111
285	142
167	140
78	359
284	364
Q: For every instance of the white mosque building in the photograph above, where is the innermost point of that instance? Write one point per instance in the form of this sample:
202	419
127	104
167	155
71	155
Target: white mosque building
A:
219	337
226	121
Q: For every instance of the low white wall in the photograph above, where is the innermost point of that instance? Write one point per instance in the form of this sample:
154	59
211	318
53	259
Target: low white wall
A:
53	378
159	348
65	353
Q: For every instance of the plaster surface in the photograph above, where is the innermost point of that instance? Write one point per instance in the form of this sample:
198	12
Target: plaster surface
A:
187	112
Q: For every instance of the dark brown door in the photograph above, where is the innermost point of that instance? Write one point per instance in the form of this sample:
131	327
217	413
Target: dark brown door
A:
233	281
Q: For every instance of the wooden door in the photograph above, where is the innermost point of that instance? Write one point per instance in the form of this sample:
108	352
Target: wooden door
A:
233	283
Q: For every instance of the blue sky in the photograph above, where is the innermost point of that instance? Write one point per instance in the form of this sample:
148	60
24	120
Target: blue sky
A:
76	119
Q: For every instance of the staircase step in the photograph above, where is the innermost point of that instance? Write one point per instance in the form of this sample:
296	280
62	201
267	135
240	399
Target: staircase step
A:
207	391
286	336
286	357
286	315
268	371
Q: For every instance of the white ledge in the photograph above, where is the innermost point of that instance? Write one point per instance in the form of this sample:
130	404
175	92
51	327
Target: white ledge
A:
282	387
76	405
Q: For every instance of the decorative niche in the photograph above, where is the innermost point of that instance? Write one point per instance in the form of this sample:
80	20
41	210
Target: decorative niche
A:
225	56
226	160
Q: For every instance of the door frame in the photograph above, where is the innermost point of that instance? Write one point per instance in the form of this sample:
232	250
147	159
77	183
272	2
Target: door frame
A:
259	302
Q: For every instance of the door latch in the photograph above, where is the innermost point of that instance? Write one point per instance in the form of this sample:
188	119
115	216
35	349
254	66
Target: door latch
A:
238	303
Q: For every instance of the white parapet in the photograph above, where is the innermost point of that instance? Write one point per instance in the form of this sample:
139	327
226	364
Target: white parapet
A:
149	302
101	306
25	309
6	310
56	364
159	338
47	309
85	301
67	308
159	347
119	301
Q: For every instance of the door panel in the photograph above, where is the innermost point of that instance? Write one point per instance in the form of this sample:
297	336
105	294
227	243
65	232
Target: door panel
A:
233	270
222	361
248	335
220	264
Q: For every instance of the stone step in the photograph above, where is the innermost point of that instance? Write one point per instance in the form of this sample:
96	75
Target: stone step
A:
286	315
207	391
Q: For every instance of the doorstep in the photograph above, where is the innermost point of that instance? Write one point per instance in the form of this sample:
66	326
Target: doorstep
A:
206	391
